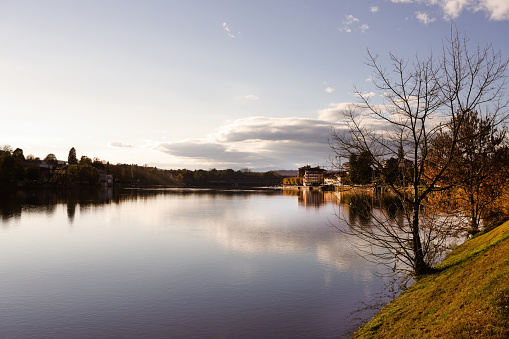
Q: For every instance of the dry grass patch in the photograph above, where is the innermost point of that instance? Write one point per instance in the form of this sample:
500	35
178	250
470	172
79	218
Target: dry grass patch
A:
467	297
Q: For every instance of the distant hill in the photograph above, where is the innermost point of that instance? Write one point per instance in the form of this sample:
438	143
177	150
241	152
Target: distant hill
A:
287	173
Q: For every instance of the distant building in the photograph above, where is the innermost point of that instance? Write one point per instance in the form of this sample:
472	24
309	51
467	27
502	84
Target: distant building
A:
345	167
332	179
313	176
302	170
105	179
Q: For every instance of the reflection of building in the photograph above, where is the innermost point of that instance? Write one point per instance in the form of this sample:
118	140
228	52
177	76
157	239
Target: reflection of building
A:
315	198
313	176
105	179
311	198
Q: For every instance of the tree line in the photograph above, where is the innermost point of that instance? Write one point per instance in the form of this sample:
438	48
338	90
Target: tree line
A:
16	170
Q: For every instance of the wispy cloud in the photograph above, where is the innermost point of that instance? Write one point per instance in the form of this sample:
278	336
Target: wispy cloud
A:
120	144
350	19
366	95
251	97
373	9
228	31
329	90
349	22
424	18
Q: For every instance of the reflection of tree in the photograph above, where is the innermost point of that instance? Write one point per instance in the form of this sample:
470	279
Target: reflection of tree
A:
241	229
361	207
13	203
9	206
372	219
71	210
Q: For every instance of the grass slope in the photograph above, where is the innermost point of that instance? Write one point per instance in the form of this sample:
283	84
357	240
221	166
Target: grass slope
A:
468	297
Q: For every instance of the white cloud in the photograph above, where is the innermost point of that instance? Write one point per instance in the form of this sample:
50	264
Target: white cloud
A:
424	18
369	79
265	142
373	9
350	19
331	114
259	142
329	90
274	129
364	28
496	10
228	31
366	95
453	8
119	144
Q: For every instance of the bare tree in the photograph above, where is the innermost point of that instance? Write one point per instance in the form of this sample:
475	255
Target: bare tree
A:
420	100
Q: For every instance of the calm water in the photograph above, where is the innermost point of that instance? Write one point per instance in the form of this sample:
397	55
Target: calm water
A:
178	264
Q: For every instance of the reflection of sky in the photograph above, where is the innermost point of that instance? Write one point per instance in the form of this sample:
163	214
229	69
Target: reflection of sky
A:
228	260
238	222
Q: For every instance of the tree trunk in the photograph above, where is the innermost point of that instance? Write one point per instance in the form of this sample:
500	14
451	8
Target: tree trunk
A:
474	225
420	266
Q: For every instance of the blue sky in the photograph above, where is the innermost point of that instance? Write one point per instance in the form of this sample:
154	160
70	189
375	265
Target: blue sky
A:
211	83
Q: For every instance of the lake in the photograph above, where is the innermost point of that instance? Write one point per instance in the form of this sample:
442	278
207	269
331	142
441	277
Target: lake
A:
179	263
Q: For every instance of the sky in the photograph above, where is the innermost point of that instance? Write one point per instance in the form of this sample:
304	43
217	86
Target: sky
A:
202	84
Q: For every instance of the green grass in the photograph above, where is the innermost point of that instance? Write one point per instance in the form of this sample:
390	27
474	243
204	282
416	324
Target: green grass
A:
467	297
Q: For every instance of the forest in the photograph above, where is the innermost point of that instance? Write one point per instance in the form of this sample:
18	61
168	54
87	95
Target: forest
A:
17	171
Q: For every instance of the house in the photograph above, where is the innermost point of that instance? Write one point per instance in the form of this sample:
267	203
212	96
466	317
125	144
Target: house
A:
105	179
313	176
332	179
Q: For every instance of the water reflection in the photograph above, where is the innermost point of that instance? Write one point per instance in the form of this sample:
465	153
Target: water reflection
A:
13	203
71	210
251	230
177	263
247	229
363	206
311	197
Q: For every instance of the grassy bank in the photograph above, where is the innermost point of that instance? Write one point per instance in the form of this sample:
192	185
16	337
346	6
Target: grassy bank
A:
468	296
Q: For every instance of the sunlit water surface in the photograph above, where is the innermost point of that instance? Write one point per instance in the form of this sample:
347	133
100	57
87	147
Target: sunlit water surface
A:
178	264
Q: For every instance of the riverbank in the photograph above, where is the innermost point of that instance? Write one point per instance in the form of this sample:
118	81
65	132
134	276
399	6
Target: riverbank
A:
468	297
